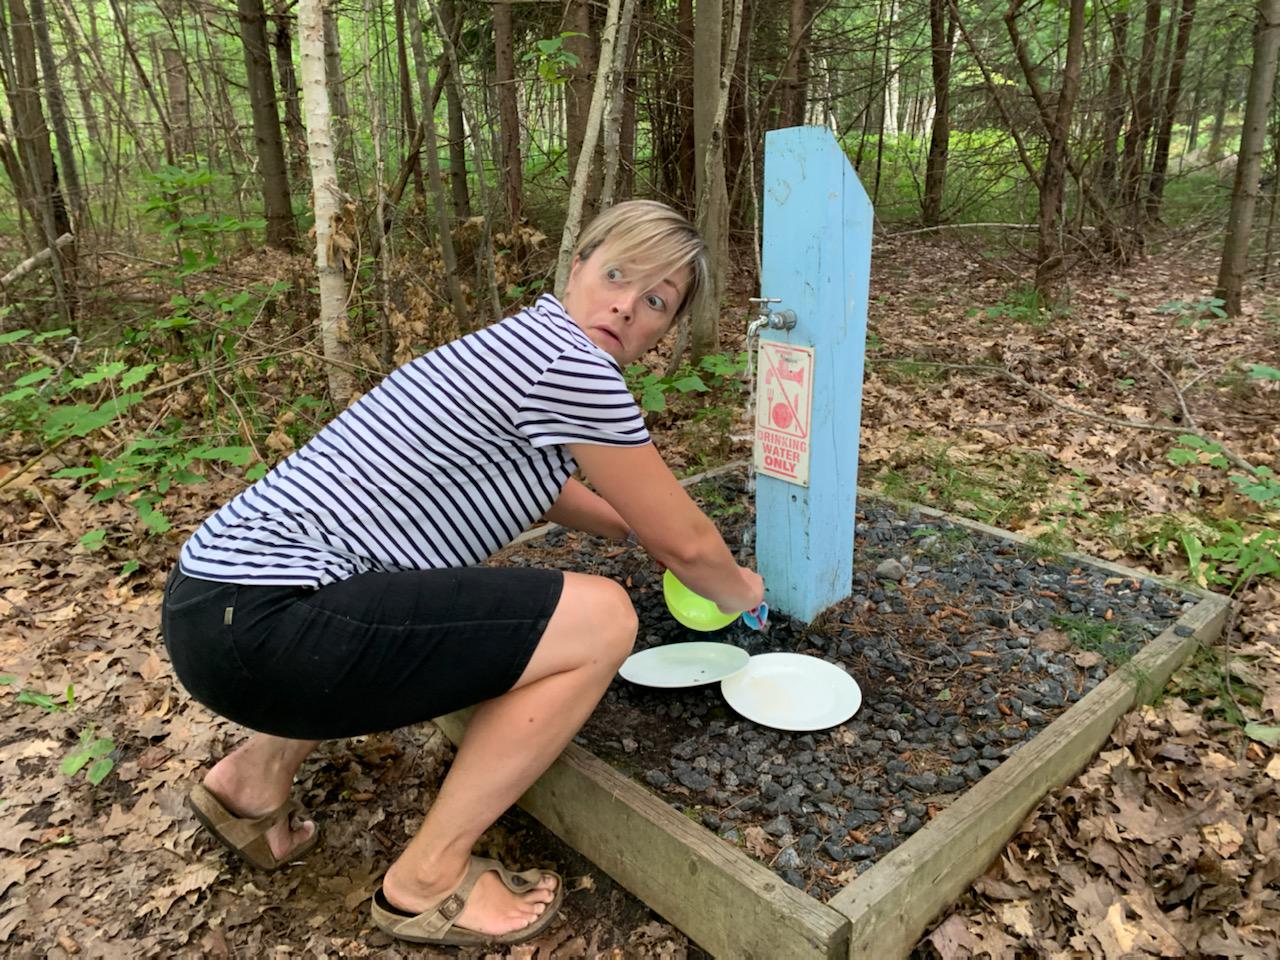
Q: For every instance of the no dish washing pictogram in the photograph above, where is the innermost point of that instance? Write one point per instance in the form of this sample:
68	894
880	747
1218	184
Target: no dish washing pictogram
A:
784	401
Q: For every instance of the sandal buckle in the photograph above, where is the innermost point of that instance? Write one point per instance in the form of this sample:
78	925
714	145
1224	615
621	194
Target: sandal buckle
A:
451	906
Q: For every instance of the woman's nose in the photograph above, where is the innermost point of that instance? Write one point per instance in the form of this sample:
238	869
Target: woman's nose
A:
625	305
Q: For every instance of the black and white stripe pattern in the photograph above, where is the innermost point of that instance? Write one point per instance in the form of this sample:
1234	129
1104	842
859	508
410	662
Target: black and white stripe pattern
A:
444	462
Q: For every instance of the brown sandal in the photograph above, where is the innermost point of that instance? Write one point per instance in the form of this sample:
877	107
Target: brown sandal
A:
247	836
437	925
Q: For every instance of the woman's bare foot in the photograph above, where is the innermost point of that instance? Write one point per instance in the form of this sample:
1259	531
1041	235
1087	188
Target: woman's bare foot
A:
491	908
255	779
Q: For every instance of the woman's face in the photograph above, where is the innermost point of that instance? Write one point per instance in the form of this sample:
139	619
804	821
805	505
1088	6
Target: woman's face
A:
617	309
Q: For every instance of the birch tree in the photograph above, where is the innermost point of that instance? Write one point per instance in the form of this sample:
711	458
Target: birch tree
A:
582	170
328	199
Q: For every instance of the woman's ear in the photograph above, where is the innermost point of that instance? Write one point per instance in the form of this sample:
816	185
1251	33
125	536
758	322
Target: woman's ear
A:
573	272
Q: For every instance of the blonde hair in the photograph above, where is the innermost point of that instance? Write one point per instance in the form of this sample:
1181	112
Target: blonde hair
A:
654	239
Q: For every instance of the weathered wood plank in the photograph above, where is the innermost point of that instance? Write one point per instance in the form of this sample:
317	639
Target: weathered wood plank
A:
725	901
817	259
892	904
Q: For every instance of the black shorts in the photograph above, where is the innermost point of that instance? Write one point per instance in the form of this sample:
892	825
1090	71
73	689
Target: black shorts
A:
374	652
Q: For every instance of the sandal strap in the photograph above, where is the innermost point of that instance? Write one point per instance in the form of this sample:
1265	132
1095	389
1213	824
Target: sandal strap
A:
244	831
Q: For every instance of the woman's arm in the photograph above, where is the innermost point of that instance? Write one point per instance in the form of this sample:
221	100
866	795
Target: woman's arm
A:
579	508
649	499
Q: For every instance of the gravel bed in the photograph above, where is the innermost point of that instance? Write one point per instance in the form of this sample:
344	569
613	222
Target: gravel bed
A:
963	645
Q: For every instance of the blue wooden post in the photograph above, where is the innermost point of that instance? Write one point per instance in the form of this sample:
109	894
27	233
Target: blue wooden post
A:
817	260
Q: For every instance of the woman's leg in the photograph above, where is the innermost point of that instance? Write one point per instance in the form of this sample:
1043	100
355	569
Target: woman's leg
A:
256	777
511	740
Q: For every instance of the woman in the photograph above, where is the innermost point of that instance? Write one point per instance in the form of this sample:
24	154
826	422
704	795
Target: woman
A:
341	594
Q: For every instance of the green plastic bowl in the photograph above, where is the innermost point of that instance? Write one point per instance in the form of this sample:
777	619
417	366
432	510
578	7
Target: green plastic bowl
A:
692	610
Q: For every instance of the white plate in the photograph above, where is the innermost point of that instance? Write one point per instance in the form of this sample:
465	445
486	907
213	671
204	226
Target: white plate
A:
792	691
684	664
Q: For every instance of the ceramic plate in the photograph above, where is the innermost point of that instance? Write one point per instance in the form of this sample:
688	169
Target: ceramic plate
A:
792	691
684	664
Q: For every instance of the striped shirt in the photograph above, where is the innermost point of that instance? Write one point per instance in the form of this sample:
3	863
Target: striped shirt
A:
444	462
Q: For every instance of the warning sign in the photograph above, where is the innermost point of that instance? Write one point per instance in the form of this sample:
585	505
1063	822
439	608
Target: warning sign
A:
784	400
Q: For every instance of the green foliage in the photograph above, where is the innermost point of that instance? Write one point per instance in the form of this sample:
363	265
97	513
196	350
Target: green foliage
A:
991	493
146	470
1263	733
1219	686
909	371
1023	305
92	751
1199	314
174	193
713	372
1115	641
1222	551
554	62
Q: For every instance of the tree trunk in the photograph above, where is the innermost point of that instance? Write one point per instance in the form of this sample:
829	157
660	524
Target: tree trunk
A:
1055	116
737	125
795	80
891	85
942	33
1214	152
582	170
144	81
710	103
444	218
178	96
686	151
57	106
1135	138
83	89
282	42
1115	102
627	138
615	97
579	92
408	114
22	192
328	200
504	70
457	124
1160	163
49	208
486	270
281	231
1244	193
340	115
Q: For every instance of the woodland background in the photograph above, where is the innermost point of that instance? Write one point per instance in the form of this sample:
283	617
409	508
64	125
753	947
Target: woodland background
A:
222	222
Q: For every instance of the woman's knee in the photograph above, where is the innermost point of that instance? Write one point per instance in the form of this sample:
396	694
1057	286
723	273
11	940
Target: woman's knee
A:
615	619
593	627
597	613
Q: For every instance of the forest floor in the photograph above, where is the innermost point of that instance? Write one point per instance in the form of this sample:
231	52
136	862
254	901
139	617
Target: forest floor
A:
1168	844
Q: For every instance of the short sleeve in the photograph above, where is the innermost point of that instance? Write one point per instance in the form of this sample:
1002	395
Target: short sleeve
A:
580	398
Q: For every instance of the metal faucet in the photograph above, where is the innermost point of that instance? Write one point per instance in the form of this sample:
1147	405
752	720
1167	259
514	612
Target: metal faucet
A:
768	317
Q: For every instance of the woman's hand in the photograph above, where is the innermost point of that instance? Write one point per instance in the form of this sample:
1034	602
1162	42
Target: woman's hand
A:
753	587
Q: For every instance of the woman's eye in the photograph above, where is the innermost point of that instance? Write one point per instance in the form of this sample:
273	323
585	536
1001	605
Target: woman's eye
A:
613	273
656	302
